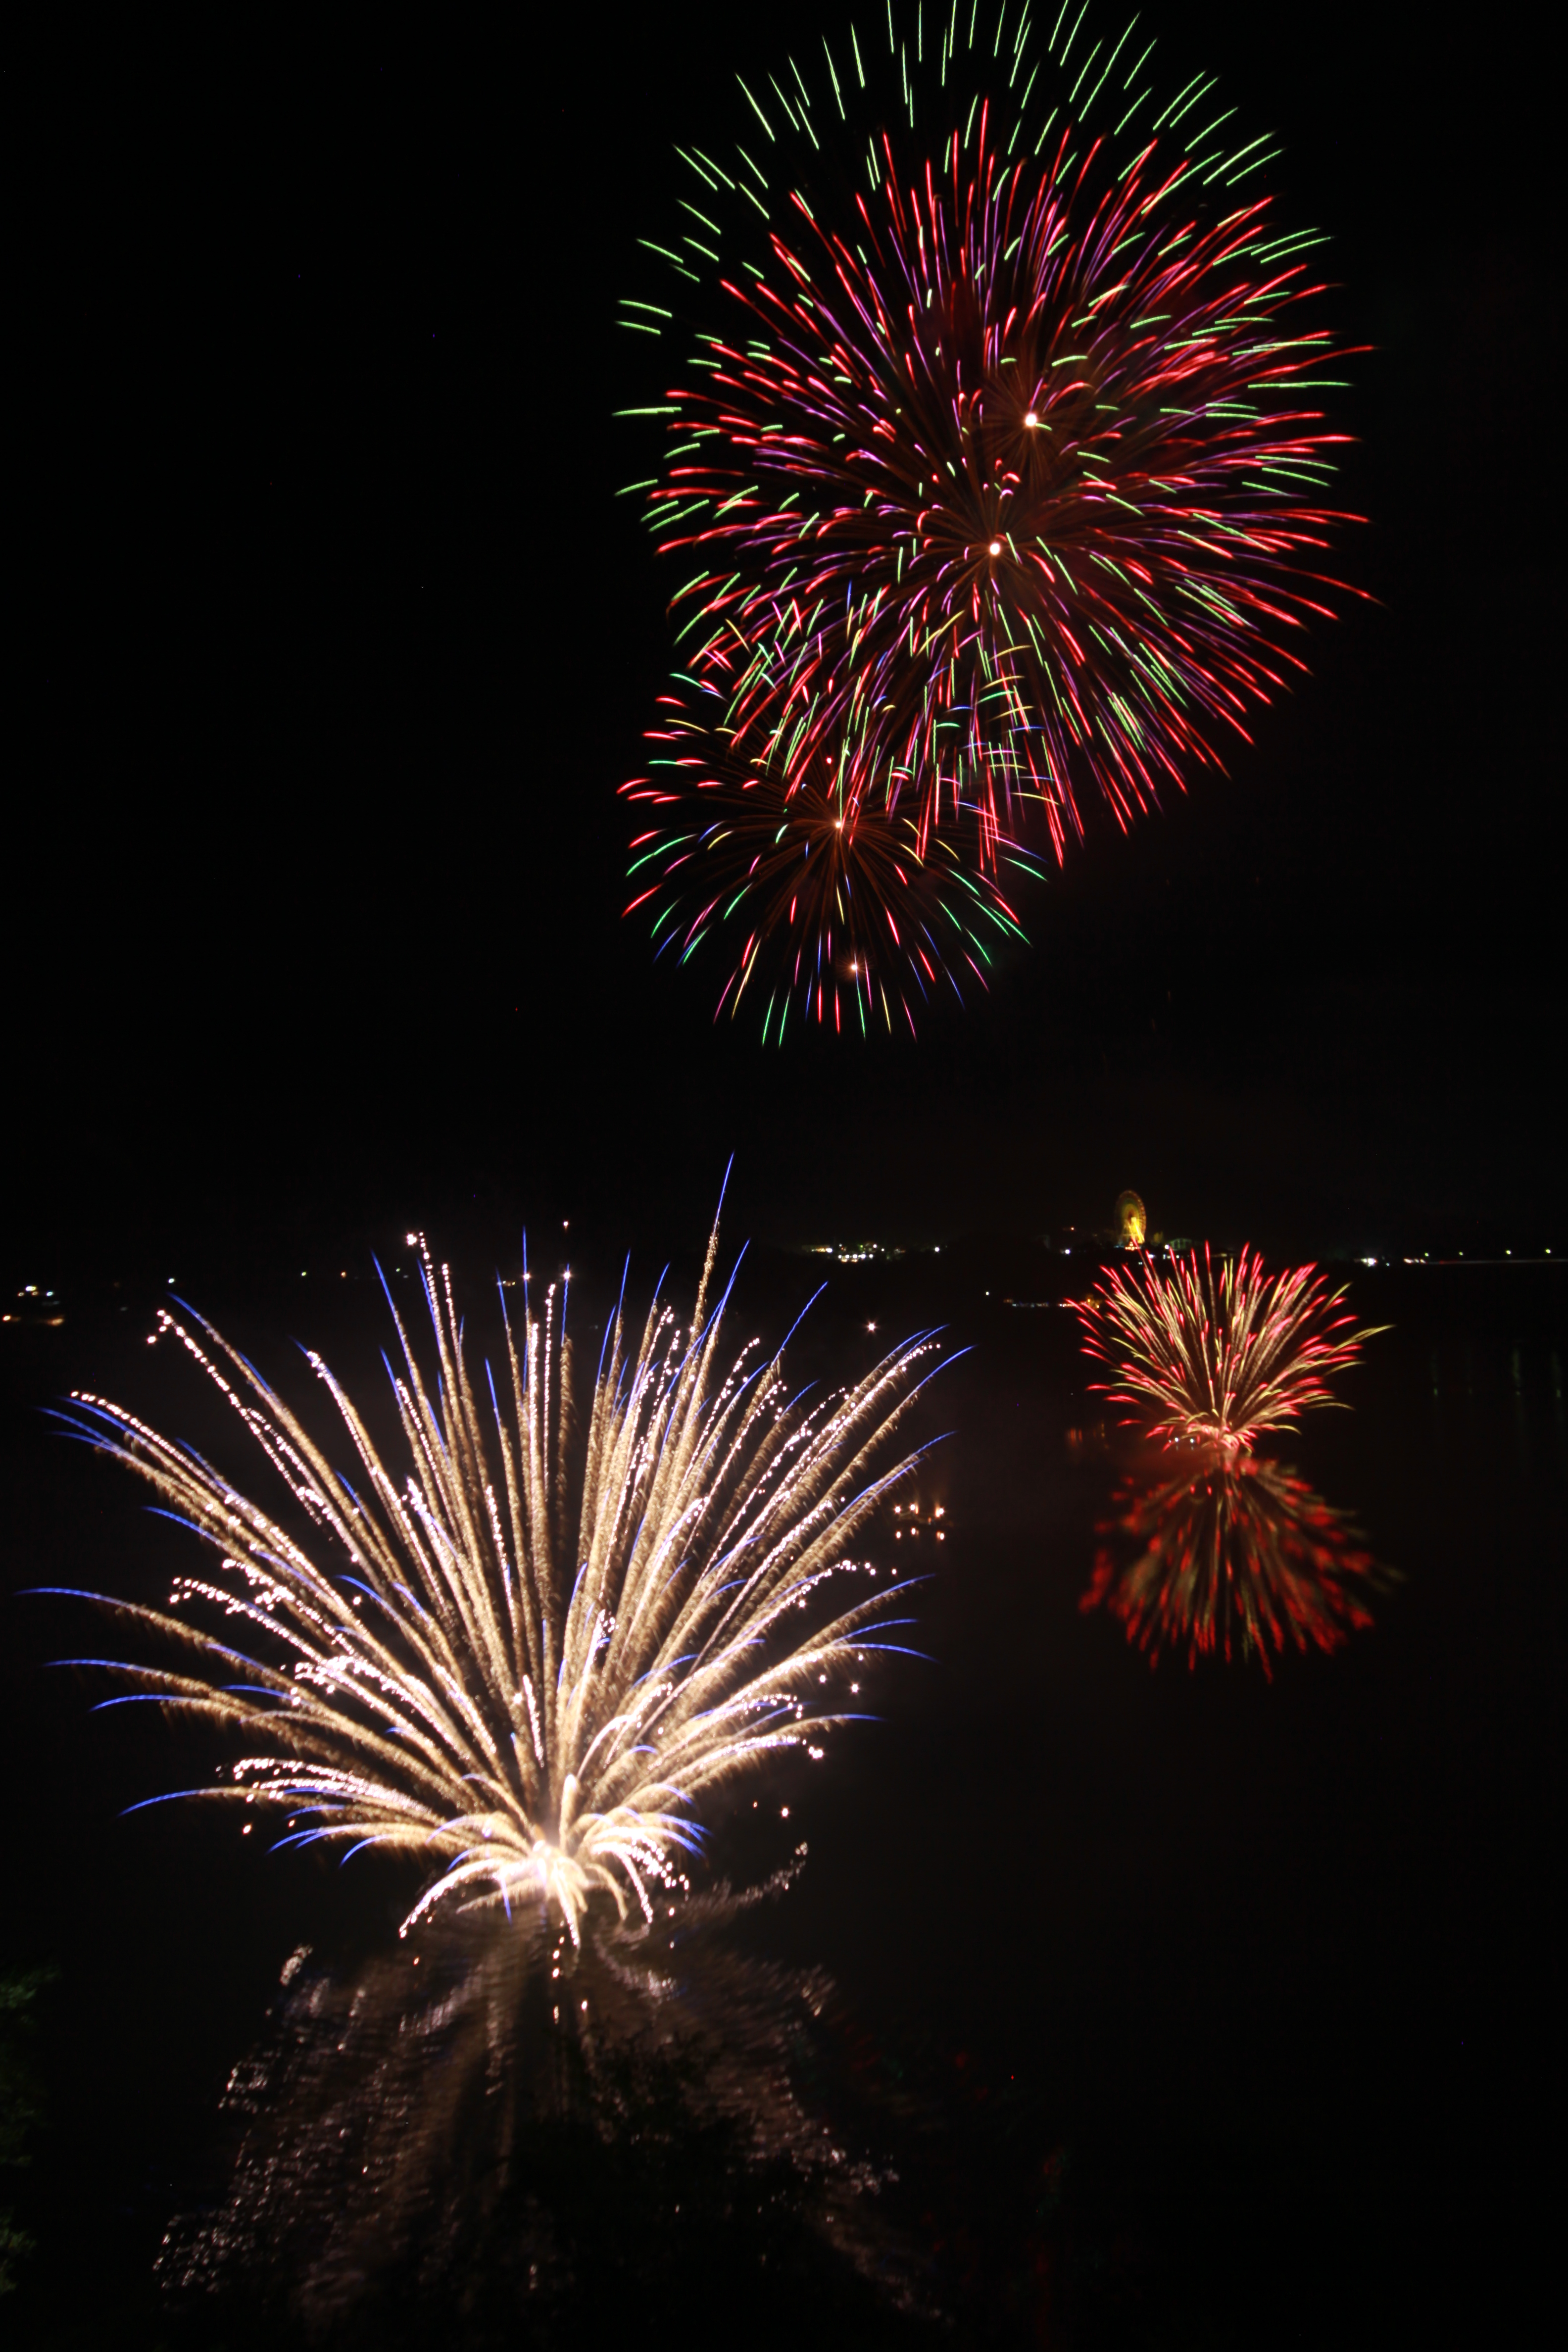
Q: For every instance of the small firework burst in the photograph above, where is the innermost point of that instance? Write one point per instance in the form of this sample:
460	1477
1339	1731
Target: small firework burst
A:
837	907
1225	1555
998	466
528	1663
1217	1357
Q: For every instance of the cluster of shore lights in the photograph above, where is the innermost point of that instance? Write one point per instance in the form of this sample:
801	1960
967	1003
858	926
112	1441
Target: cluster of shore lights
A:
911	1511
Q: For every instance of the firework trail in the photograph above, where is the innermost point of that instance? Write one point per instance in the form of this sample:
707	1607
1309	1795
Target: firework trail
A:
1222	1554
997	467
1217	1358
528	1663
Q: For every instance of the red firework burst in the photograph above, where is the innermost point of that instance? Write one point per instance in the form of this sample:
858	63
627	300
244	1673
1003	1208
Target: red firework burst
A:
1217	1357
1004	476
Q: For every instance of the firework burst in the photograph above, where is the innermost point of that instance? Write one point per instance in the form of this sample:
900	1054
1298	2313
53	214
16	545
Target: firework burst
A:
998	471
1222	1554
1217	1357
875	914
527	1663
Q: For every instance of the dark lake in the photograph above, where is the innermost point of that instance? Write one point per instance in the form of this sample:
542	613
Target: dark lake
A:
1218	2000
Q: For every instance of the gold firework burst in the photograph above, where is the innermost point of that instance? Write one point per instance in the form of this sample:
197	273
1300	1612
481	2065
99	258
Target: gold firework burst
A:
531	1658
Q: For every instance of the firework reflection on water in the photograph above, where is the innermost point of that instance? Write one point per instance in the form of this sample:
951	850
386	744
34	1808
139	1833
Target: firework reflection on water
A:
1222	1554
446	2130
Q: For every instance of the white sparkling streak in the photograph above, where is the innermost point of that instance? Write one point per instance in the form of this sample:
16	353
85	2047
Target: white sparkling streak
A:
573	1639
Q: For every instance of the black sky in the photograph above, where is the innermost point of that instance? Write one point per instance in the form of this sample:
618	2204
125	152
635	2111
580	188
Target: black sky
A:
329	645
333	643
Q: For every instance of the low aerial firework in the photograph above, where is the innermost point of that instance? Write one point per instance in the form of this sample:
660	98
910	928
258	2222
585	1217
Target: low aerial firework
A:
528	1663
998	470
1217	1358
1221	1554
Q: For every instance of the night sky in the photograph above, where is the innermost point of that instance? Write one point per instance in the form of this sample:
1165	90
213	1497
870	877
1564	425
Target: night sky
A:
336	644
331	645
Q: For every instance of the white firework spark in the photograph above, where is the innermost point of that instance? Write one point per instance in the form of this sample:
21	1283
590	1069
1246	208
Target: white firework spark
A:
532	1659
